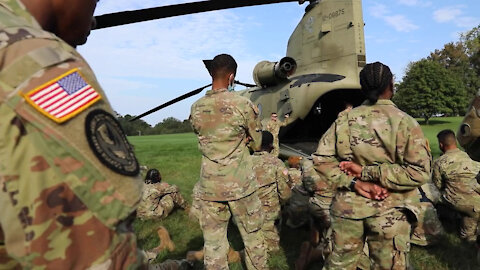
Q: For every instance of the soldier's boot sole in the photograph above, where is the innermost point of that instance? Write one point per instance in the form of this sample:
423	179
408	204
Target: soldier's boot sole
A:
193	256
233	256
165	240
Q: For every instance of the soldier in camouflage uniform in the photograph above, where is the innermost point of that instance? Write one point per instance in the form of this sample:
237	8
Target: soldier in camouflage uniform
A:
454	174
370	149
226	125
272	178
67	173
159	198
273	126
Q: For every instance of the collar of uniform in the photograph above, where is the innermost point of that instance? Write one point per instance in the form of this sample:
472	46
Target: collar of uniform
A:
452	150
17	8
216	91
380	102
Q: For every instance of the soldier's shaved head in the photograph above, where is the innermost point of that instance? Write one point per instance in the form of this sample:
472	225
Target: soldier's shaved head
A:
447	137
222	65
71	20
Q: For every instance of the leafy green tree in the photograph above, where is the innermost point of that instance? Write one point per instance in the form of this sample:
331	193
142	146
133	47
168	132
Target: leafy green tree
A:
455	58
428	88
471	39
172	125
134	128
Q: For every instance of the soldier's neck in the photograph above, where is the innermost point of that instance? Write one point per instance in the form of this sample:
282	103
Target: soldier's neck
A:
42	11
219	84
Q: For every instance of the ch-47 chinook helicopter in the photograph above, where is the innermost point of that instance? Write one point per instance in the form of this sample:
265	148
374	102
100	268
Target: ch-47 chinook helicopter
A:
313	83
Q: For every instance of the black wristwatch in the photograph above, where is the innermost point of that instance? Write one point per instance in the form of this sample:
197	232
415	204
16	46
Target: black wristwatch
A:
352	184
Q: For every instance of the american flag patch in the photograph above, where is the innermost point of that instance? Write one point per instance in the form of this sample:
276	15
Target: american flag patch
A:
63	97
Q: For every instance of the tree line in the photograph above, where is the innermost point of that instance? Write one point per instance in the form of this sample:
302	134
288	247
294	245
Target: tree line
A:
444	82
169	125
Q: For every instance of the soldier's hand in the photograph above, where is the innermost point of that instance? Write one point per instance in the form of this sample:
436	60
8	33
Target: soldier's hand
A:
351	168
371	191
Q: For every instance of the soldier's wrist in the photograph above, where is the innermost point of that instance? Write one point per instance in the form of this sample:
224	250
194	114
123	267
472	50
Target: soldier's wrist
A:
370	173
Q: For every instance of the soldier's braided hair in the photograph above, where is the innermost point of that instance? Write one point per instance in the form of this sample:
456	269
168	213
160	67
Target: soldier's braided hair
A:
374	79
153	176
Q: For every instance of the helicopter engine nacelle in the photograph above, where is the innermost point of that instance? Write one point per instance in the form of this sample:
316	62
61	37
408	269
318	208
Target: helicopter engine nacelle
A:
268	73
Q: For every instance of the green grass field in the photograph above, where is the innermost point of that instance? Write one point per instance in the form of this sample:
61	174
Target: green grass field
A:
178	159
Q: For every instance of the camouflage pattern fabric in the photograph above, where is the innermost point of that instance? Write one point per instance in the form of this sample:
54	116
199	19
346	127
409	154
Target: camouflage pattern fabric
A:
61	207
248	215
428	229
225	124
454	174
394	153
274	128
272	177
400	162
295	176
387	237
159	200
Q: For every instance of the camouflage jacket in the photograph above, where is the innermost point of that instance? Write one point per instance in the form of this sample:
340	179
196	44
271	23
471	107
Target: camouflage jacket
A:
454	175
268	170
151	206
390	146
226	124
60	190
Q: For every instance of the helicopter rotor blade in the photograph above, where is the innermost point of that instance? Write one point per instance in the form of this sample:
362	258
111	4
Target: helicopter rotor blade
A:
173	101
141	15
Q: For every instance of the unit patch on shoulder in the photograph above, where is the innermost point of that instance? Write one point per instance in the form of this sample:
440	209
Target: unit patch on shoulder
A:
109	143
63	97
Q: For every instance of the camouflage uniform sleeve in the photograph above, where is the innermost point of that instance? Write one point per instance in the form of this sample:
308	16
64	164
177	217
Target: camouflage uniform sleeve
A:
313	182
253	126
437	175
326	163
412	168
284	190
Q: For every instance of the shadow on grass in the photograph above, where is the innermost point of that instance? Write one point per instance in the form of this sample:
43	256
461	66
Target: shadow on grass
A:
433	122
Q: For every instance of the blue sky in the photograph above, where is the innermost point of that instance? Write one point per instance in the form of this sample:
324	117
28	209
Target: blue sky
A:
143	65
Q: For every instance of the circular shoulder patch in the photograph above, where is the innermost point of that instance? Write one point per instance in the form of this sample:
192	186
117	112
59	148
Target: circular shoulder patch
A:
109	143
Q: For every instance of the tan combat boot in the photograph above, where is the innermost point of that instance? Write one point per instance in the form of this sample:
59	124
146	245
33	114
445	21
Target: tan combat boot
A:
233	256
193	256
165	240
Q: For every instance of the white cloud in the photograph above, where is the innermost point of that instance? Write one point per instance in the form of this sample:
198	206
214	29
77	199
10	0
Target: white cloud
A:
455	15
399	22
447	14
413	3
146	64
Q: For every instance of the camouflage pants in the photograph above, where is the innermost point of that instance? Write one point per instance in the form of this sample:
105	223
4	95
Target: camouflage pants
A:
428	228
470	218
387	237
468	229
248	215
271	209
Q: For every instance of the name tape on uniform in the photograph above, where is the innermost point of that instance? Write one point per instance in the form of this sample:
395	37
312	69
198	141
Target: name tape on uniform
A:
63	97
